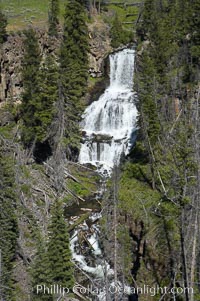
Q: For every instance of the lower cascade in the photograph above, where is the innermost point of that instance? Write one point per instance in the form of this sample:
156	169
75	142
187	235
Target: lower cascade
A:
109	124
109	127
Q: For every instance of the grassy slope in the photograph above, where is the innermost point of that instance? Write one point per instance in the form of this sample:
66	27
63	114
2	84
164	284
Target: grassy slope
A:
122	13
22	13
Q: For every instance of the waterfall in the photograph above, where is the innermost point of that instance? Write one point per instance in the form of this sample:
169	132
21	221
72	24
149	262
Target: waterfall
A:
109	124
108	130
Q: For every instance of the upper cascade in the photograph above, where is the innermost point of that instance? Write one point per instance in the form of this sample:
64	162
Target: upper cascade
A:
109	124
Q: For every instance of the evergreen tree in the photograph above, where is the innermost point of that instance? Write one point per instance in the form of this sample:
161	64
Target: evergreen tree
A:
52	264
31	82
53	17
46	99
148	119
39	97
8	222
59	254
193	20
3	24
118	35
73	71
149	20
41	274
115	32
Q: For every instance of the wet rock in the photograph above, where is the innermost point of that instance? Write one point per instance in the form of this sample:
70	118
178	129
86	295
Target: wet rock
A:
97	137
101	138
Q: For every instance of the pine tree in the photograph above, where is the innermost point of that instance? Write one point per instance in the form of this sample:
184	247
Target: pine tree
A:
39	97
8	222
118	35
46	99
52	264
73	71
115	31
149	20
30	73
53	17
3	24
41	274
149	120
58	249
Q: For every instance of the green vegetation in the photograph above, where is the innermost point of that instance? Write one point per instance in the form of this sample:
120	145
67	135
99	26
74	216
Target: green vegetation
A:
3	24
59	253
41	273
147	104
122	20
21	13
47	98
119	36
39	96
124	13
84	187
53	17
136	196
73	71
52	262
84	184
125	252
44	90
8	222
30	74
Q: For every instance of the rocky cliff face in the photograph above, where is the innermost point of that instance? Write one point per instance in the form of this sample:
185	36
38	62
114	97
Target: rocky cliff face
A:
10	62
11	56
100	46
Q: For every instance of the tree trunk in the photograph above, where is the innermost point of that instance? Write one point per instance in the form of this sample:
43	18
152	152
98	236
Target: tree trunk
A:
193	260
185	275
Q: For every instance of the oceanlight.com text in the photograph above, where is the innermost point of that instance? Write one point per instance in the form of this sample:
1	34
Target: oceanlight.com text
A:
56	289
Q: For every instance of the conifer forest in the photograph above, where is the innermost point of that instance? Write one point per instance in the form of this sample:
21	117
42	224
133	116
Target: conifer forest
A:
100	150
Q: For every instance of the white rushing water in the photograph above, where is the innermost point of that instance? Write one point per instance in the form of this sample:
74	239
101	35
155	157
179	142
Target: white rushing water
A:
108	128
98	270
109	123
